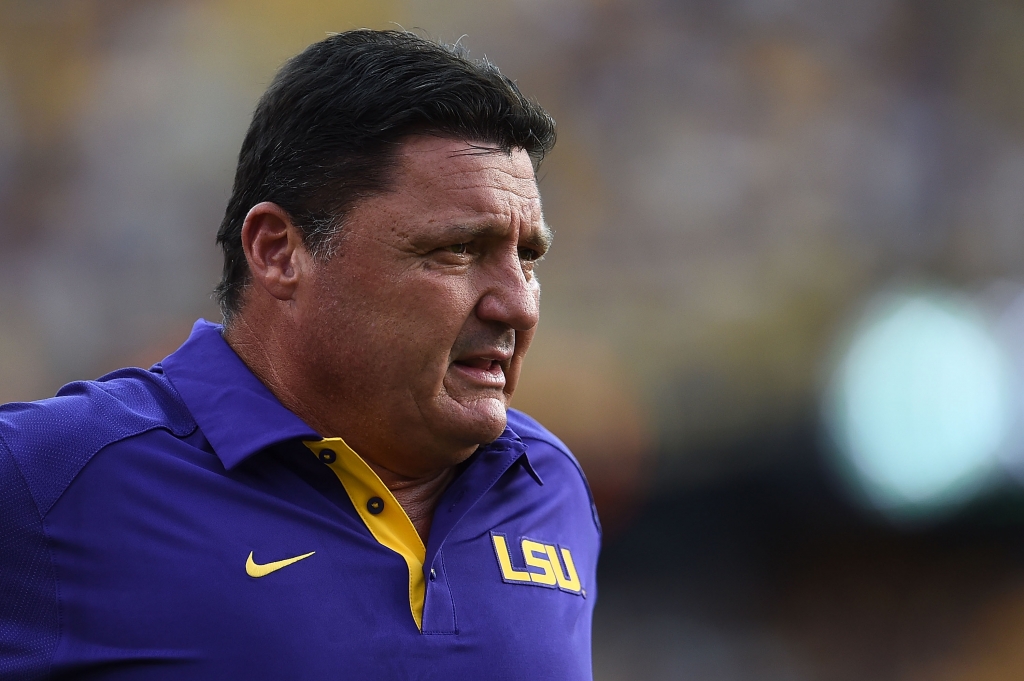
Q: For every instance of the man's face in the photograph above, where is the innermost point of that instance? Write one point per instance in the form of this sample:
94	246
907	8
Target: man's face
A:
418	325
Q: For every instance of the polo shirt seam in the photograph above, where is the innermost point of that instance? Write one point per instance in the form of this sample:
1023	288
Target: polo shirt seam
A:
21	474
122	438
167	425
49	553
455	614
58	601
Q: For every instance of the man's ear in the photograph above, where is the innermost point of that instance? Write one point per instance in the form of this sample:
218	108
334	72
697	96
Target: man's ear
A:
273	246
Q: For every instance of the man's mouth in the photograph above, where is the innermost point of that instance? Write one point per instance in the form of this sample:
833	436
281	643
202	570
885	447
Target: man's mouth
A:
483	370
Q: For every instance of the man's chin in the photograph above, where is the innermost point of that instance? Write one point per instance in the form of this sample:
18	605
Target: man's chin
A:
478	422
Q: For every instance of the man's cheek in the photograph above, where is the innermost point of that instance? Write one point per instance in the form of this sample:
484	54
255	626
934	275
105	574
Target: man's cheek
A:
512	375
523	341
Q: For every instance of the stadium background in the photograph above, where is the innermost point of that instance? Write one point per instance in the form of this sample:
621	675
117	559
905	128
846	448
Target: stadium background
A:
767	213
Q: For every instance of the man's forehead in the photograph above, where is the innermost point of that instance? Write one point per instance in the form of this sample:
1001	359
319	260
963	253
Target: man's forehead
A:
453	182
444	162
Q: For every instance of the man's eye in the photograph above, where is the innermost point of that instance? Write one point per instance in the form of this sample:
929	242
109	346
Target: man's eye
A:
458	249
529	254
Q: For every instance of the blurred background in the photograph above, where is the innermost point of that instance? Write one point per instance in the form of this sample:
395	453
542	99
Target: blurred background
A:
783	317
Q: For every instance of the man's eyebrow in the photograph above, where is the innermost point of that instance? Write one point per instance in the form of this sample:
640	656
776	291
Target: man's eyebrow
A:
545	235
542	237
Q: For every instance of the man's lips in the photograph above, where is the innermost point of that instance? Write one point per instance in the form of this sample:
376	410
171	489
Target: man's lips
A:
486	371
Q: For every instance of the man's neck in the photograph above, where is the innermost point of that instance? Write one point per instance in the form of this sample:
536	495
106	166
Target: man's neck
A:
417	496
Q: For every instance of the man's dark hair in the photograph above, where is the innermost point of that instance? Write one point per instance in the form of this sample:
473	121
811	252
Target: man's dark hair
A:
327	131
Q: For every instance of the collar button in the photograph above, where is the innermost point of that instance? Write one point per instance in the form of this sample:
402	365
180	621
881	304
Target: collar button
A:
328	456
375	505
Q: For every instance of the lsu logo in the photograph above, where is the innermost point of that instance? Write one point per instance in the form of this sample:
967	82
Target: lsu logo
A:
551	566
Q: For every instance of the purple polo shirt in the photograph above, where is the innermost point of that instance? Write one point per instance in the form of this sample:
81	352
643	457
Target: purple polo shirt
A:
181	523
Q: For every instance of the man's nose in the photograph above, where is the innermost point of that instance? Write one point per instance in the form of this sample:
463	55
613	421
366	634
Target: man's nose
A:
511	295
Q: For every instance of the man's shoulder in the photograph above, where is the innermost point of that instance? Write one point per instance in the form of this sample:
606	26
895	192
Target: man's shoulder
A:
549	454
51	440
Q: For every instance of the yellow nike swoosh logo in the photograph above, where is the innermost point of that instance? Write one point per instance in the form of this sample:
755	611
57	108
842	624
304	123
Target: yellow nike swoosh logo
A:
254	569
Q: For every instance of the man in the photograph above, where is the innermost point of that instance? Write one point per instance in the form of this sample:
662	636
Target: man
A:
332	484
